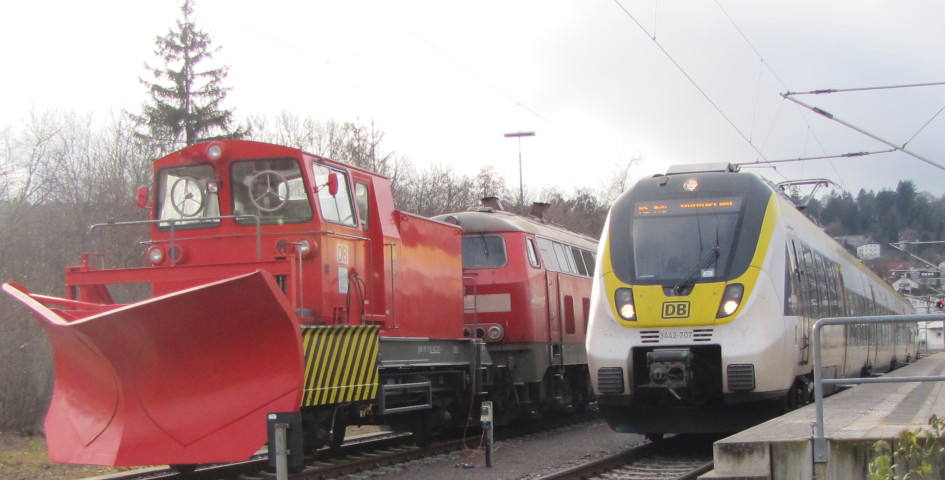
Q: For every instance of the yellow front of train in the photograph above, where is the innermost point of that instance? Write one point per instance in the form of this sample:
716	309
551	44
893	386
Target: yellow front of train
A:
686	321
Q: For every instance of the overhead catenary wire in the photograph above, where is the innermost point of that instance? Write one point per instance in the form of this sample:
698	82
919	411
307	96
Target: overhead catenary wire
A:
690	79
803	159
830	116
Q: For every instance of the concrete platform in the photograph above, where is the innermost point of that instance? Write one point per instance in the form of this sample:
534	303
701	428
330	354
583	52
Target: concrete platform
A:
854	419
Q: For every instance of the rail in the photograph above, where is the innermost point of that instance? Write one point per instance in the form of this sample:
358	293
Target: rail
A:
820	441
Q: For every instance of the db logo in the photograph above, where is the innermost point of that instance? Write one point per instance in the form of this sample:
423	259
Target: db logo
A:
676	310
342	254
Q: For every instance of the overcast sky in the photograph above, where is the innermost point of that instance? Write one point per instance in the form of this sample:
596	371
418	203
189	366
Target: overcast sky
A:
446	79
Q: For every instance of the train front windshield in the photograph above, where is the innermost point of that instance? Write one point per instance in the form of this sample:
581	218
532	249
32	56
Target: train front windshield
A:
684	241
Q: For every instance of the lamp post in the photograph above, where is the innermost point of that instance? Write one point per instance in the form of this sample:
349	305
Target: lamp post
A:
521	188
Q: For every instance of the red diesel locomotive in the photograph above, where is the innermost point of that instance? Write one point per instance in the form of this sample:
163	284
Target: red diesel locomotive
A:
286	282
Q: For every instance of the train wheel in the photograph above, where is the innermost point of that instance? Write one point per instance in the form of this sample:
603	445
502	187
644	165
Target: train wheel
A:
422	429
184	468
338	428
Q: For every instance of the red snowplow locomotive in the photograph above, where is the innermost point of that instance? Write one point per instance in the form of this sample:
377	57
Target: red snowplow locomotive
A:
286	282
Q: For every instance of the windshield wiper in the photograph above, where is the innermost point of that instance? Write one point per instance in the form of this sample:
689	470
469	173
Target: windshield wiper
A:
706	260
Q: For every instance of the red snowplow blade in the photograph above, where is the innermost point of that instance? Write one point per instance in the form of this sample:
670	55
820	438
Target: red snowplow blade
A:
183	378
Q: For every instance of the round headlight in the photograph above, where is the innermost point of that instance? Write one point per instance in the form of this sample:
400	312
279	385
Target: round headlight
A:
155	255
214	151
495	333
305	246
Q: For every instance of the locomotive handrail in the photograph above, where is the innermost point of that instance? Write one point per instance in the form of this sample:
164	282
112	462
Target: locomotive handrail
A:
173	222
820	441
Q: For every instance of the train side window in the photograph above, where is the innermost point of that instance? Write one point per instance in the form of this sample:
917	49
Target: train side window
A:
532	252
813	295
790	293
337	208
578	260
822	295
589	260
564	260
547	251
361	198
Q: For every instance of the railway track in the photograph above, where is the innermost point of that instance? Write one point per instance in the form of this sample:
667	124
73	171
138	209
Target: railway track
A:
672	458
676	458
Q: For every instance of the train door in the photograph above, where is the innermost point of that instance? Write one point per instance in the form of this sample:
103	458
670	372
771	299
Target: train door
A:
798	303
552	264
554	306
342	249
372	250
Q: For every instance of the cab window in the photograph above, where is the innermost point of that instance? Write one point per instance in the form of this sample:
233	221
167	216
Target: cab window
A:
361	198
532	252
271	190
484	251
336	208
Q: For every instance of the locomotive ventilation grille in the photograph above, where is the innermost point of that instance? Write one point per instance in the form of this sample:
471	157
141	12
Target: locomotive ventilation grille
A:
610	380
697	335
741	377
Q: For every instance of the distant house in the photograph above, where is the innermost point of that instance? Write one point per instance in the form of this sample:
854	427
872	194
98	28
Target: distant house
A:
905	284
868	251
898	267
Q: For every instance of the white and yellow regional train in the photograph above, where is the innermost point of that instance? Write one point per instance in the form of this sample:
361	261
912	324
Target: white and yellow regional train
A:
708	282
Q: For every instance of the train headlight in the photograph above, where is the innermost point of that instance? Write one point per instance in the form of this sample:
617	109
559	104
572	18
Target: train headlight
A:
623	299
214	151
731	299
495	333
155	255
305	247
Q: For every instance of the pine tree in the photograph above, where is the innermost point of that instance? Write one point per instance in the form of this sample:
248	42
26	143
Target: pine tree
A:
185	103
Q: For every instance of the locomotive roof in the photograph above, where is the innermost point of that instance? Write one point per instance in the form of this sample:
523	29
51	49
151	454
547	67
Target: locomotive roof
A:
484	220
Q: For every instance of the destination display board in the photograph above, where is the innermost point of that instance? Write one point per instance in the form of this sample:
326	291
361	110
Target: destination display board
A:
718	205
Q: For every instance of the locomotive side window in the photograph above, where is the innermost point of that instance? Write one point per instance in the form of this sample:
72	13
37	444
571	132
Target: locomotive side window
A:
337	208
546	247
565	262
579	261
532	252
361	197
272	190
484	251
589	260
559	257
188	194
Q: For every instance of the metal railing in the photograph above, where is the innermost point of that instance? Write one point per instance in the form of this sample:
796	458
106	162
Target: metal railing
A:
820	441
172	223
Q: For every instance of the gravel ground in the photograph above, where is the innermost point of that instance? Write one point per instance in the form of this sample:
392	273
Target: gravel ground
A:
522	458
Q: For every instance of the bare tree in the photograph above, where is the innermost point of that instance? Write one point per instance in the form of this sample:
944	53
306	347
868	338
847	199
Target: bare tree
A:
622	176
62	171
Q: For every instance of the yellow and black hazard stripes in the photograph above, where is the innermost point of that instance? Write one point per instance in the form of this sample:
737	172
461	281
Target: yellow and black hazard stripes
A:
340	364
